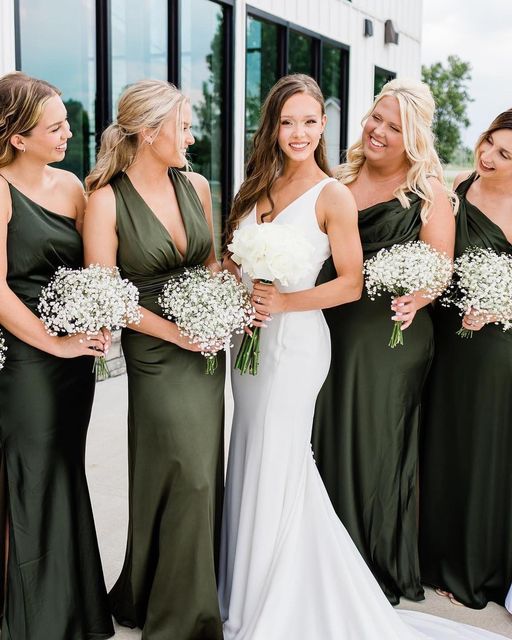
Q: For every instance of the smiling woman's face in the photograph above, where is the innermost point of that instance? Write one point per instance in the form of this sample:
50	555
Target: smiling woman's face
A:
382	133
494	155
300	128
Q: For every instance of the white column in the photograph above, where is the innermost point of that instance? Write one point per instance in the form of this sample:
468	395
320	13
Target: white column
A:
7	50
239	97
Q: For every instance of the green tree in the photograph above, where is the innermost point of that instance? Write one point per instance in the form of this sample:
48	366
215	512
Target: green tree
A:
449	86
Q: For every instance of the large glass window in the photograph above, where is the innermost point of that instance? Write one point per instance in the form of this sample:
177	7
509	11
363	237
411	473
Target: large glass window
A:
300	53
275	49
203	75
261	71
63	53
330	83
381	77
138	42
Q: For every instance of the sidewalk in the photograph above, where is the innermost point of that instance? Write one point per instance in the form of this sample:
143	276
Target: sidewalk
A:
108	483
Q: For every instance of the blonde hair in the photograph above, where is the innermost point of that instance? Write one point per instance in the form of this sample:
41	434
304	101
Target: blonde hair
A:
143	105
417	109
22	100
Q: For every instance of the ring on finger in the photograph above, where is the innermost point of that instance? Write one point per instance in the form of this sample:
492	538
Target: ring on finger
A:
258	299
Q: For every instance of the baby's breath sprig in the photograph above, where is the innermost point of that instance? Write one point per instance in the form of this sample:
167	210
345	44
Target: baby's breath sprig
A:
88	300
208	308
482	282
404	269
3	349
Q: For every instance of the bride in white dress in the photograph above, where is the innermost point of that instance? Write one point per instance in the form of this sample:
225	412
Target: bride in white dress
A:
289	570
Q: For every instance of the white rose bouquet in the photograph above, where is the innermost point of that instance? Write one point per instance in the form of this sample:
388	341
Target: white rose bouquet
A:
3	349
268	252
483	282
88	300
404	269
208	308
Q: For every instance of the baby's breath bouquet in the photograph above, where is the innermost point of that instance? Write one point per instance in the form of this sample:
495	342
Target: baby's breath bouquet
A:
208	308
268	252
404	269
87	300
483	282
3	349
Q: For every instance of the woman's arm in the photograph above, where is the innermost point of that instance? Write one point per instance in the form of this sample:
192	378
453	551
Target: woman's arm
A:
439	233
337	215
100	247
17	317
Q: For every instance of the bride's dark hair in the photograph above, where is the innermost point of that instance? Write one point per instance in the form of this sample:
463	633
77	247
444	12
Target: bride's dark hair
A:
266	160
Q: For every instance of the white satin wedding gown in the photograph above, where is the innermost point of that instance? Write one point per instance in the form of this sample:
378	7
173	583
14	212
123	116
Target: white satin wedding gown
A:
289	570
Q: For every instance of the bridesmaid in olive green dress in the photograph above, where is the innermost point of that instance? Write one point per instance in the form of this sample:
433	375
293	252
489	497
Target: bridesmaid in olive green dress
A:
153	222
365	435
466	479
54	582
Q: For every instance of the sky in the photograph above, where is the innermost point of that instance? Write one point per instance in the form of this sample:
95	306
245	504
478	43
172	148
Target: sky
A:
479	32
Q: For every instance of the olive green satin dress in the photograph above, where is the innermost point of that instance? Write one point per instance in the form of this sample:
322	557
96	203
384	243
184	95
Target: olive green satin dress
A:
466	446
55	586
175	436
365	434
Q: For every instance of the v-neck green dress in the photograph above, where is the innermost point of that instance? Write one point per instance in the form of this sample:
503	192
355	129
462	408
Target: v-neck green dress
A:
175	437
365	434
55	586
466	447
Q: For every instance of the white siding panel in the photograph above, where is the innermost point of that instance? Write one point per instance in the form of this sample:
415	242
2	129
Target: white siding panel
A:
7	55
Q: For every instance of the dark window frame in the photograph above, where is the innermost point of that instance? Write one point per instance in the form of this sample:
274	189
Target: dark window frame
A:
284	29
391	75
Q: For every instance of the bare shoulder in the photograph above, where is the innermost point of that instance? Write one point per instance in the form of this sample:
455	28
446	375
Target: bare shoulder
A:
336	195
199	182
460	177
5	200
66	180
102	202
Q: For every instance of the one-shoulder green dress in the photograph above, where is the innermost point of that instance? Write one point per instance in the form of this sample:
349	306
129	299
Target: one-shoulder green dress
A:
365	435
466	445
167	585
55	586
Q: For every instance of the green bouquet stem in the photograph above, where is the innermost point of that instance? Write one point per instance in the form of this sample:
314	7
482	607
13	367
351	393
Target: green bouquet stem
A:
100	368
248	357
465	333
211	364
397	336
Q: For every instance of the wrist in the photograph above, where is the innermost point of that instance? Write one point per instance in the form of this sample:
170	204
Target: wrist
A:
54	346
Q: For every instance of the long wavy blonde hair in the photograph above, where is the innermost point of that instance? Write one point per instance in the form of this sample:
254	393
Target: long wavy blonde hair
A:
417	109
266	161
22	100
143	105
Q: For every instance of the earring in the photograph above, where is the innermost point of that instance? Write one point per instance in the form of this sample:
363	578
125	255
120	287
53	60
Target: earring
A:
24	149
148	140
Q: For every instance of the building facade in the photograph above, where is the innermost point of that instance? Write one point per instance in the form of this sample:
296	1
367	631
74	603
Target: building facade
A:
225	54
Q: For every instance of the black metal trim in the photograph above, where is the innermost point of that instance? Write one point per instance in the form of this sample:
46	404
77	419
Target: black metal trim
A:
228	111
345	66
173	42
103	111
17	36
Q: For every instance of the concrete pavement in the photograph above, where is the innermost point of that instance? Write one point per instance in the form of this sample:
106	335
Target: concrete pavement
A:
108	483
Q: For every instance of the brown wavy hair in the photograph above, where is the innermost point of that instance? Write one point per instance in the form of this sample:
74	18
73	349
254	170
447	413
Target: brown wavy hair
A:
503	121
266	161
22	100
